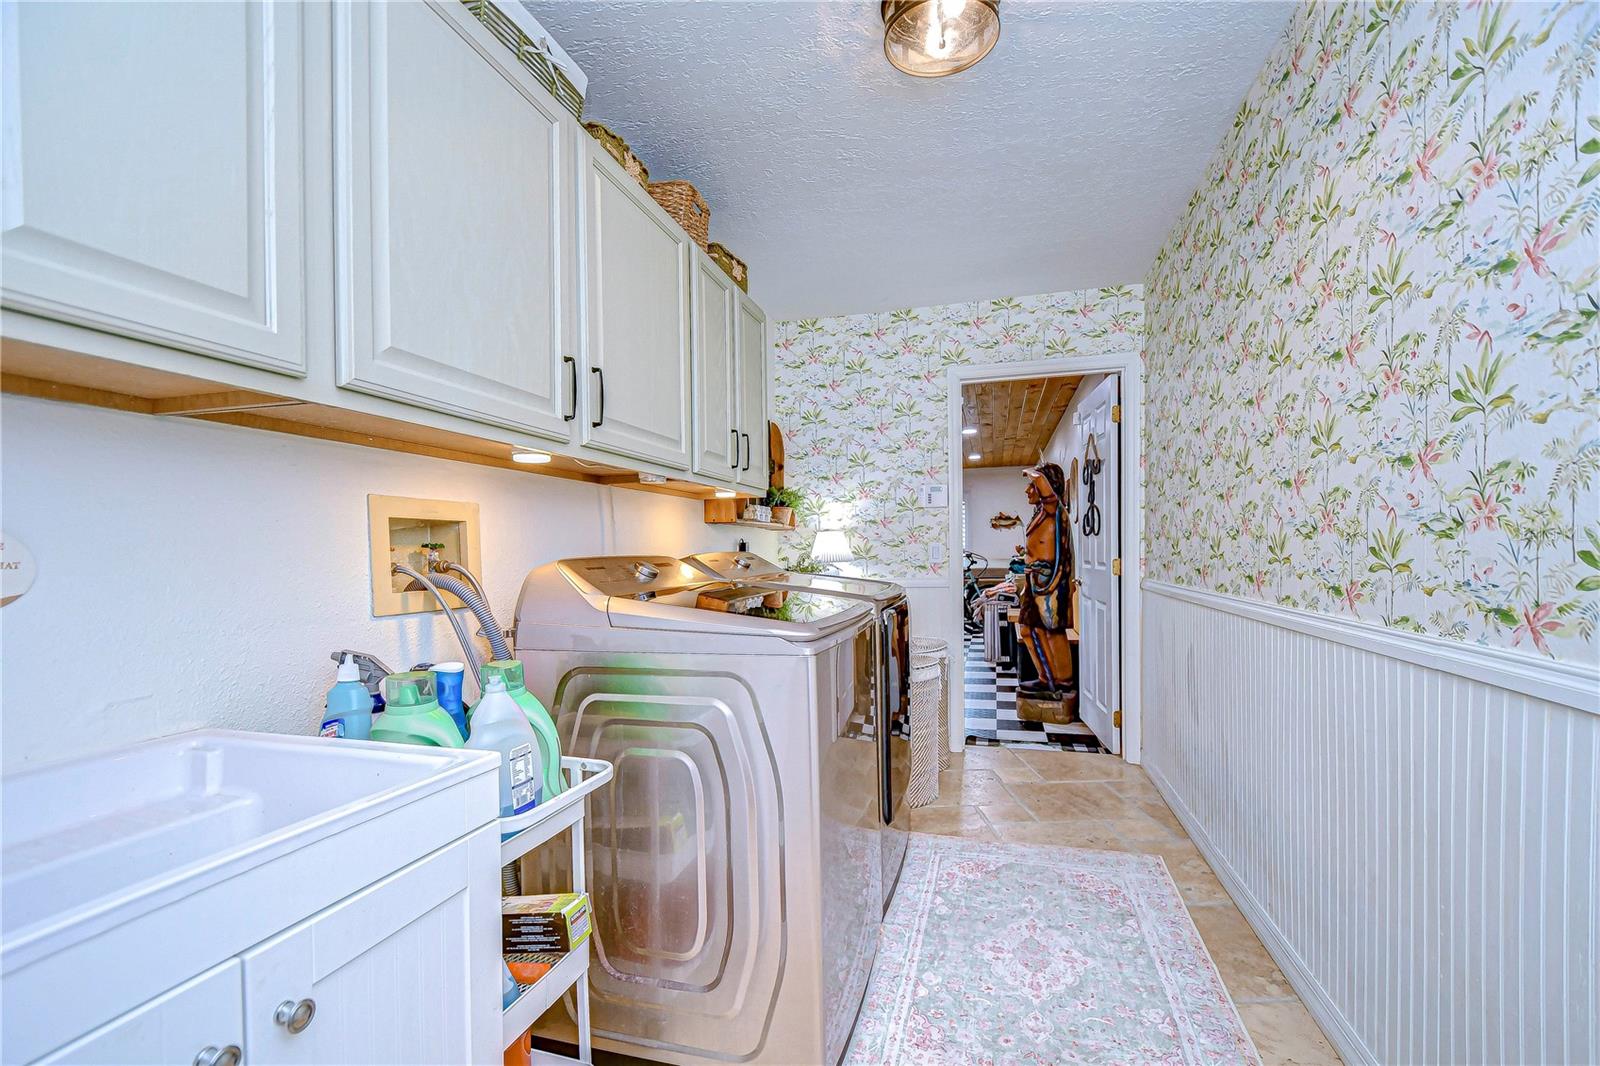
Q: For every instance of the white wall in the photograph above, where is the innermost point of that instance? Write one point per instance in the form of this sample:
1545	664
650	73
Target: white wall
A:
192	574
1417	845
987	491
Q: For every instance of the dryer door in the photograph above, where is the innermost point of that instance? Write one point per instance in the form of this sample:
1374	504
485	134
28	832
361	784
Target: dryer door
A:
685	859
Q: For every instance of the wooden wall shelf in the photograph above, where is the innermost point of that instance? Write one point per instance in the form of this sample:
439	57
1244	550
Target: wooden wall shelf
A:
726	512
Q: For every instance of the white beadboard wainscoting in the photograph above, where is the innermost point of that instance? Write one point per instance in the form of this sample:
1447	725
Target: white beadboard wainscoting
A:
1410	825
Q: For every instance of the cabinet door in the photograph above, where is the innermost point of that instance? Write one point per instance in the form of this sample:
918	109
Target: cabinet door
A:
718	449
177	1026
456	220
387	974
752	343
155	182
637	320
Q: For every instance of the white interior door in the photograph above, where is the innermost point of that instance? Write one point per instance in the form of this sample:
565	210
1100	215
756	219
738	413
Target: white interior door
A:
1099	606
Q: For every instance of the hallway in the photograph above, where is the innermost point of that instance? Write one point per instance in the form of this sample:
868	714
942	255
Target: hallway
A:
1081	800
991	708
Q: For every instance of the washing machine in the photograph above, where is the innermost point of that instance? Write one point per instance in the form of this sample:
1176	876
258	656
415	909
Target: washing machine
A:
734	860
891	676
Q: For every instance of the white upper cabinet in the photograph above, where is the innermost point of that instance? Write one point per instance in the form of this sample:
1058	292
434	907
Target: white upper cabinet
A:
636	341
456	220
156	176
752	406
718	448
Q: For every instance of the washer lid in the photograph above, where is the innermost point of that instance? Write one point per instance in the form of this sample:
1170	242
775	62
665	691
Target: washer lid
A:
630	575
730	607
663	593
753	569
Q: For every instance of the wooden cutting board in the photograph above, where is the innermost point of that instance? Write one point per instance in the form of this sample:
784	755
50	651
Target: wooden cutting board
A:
774	455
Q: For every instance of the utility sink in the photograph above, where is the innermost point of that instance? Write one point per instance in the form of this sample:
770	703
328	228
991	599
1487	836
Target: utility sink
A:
135	828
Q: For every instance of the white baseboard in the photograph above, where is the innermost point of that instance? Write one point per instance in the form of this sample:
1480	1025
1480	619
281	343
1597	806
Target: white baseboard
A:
1334	1026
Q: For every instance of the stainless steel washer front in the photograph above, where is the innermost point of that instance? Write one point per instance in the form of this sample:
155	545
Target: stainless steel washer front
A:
689	911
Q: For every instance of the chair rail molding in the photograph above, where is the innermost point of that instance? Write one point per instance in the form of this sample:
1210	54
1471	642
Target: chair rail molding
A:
1574	685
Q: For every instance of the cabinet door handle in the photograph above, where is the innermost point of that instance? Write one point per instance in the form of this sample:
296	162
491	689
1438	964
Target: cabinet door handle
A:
747	449
600	415
572	379
214	1056
295	1016
734	465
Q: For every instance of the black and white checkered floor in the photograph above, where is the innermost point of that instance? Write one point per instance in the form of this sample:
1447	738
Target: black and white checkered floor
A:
991	710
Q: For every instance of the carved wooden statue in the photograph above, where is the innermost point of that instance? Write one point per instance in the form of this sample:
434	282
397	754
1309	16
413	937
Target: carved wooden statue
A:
1046	608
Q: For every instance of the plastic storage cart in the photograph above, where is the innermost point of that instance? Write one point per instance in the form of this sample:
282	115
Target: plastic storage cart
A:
520	835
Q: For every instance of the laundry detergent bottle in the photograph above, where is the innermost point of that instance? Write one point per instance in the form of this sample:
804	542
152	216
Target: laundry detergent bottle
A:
412	715
498	724
349	712
510	671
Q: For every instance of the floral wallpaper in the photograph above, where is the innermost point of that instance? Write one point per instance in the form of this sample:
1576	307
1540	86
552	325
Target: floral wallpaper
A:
862	403
1373	365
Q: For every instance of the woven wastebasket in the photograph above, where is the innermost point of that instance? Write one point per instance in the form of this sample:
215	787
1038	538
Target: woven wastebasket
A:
926	709
928	650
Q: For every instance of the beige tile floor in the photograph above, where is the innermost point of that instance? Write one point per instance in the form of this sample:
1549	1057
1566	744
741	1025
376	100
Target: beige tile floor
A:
1098	801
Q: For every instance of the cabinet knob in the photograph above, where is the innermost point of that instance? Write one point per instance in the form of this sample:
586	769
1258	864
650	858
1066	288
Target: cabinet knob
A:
295	1016
214	1056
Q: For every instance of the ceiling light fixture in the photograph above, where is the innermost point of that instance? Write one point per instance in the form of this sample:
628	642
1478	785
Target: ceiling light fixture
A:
936	38
969	431
529	456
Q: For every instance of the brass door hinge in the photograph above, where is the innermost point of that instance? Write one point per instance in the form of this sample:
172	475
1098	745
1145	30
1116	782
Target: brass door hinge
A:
1116	567
1116	412
1116	717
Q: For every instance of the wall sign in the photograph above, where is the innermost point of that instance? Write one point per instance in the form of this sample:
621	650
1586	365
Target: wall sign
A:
17	568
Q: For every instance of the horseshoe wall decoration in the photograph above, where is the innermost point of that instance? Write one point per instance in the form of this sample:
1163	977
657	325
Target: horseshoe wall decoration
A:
1090	523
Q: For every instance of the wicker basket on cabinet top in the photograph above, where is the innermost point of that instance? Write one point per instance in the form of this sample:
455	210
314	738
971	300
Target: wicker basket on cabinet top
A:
683	202
618	149
731	265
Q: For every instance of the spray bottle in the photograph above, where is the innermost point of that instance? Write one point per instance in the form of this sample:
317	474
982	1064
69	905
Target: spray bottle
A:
349	710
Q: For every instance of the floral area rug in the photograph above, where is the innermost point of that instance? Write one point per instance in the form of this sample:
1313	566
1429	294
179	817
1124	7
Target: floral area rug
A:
1017	953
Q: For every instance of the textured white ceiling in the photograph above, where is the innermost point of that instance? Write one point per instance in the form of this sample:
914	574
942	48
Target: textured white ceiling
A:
1059	162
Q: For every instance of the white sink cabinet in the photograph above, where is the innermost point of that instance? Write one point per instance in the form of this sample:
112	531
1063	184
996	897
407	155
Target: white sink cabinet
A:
216	897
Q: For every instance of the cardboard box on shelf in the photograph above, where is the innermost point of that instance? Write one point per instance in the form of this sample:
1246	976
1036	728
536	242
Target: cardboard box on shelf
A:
557	922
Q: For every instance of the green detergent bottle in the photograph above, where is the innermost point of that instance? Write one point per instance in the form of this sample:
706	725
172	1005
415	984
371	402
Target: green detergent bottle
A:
412	714
510	671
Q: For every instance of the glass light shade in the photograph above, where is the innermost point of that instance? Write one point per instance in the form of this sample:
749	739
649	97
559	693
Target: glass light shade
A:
935	38
832	546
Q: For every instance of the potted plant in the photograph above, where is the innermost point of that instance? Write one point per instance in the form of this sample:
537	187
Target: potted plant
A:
784	503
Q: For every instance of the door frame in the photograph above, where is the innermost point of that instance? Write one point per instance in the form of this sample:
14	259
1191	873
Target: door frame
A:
1128	365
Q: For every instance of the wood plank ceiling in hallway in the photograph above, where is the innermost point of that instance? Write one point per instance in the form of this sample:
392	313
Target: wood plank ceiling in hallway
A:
1014	418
